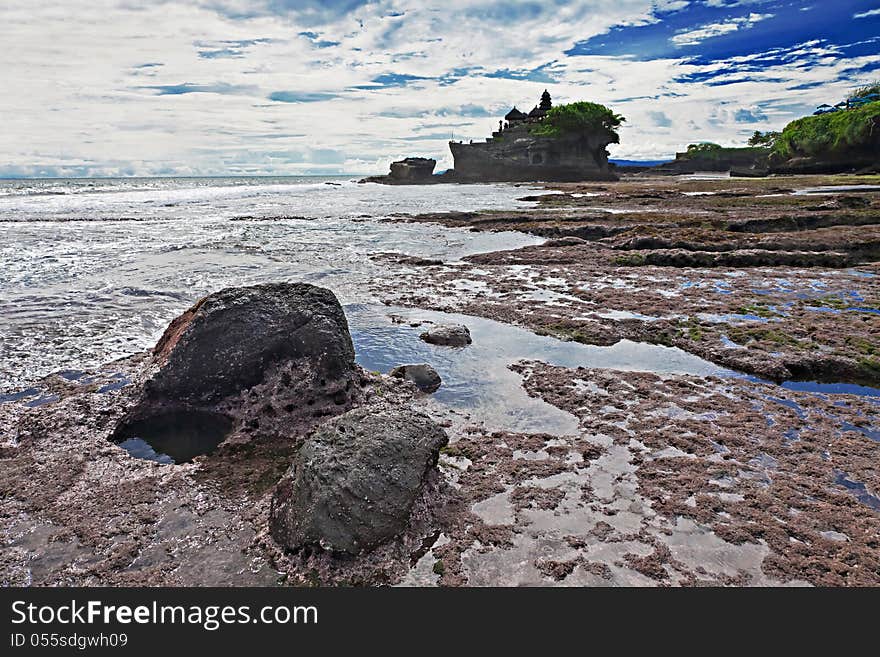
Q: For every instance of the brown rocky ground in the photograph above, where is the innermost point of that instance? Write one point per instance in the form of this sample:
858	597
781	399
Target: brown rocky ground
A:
668	480
78	510
672	480
782	286
701	480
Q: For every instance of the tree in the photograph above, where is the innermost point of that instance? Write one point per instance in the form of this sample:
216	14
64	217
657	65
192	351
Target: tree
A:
872	88
581	118
765	139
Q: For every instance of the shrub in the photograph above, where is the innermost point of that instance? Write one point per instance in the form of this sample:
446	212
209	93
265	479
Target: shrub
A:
708	151
703	148
867	90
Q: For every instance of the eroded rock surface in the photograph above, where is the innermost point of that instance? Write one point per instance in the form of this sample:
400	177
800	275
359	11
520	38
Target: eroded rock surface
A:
354	481
744	273
227	341
76	508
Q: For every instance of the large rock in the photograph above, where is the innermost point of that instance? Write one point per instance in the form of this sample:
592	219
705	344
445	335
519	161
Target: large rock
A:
227	341
452	335
413	169
422	375
353	483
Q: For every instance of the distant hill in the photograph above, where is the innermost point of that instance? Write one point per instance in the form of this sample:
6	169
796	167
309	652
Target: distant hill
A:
638	163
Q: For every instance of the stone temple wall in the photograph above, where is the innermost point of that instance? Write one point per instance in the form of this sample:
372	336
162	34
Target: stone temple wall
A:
517	155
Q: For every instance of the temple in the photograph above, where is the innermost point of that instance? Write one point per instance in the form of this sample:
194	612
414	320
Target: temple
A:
515	153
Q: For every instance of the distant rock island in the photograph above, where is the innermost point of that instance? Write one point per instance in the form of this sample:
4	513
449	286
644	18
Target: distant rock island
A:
565	143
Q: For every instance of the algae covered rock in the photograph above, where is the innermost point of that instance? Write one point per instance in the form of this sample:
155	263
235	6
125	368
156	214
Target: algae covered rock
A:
353	483
227	341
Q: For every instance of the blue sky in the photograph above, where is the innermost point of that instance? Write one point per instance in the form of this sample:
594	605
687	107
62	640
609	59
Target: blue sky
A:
213	87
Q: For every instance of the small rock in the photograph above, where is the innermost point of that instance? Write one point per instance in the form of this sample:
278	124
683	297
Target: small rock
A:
453	335
417	261
353	483
422	375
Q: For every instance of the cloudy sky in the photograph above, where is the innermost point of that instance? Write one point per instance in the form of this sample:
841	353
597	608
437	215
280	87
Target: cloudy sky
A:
212	87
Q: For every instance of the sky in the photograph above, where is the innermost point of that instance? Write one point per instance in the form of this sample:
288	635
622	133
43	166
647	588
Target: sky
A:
284	87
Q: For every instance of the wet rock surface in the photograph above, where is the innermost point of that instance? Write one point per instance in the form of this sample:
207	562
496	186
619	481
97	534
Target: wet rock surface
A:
453	335
744	273
354	481
422	375
669	480
227	341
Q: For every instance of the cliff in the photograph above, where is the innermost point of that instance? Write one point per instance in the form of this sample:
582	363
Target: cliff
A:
711	157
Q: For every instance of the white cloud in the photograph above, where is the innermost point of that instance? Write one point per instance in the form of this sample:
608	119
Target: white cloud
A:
118	87
693	37
866	14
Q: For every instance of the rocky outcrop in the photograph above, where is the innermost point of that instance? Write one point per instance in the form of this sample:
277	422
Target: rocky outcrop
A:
865	163
238	381
227	341
353	484
413	169
422	375
746	162
452	335
410	171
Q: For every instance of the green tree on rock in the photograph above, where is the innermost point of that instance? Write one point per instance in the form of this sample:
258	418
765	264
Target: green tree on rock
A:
580	119
766	139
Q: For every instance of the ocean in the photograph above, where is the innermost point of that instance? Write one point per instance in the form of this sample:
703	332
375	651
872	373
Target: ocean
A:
94	269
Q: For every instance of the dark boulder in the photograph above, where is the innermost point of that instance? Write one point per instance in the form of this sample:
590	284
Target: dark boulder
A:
422	375
413	168
353	483
227	341
453	335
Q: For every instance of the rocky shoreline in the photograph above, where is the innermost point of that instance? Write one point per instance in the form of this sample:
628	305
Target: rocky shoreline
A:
663	478
746	274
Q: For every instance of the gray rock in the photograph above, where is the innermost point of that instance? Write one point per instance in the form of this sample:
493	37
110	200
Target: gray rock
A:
413	168
353	483
226	342
422	375
565	241
453	335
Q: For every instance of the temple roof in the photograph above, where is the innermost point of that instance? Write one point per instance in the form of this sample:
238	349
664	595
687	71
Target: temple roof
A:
546	103
514	115
537	113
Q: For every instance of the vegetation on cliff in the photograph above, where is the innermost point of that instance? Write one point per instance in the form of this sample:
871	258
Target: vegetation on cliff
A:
710	151
868	91
581	118
765	139
833	134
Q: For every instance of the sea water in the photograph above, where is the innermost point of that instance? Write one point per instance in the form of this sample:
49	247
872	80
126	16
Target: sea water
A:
92	270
